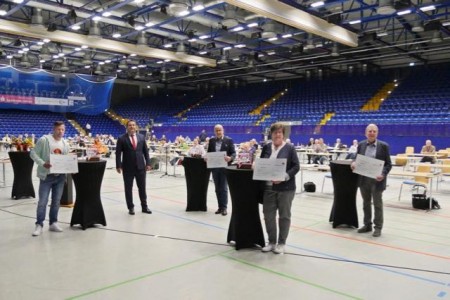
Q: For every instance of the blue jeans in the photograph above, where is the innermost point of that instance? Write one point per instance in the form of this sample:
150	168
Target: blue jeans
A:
221	184
56	185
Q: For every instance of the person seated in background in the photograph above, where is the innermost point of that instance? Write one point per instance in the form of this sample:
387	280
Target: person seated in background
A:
338	146
110	141
6	141
351	154
203	136
254	144
100	147
288	141
428	149
310	145
197	150
320	147
206	143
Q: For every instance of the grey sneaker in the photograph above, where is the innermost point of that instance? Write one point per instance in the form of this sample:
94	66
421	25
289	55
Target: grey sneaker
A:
55	227
377	232
279	249
268	248
37	231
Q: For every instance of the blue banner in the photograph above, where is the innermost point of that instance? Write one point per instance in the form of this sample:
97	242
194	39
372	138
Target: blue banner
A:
42	90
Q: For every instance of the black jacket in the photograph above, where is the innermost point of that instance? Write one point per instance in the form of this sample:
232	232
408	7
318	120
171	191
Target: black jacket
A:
292	166
227	145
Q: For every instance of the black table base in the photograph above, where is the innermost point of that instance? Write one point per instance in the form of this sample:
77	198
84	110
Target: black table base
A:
197	181
88	209
22	168
245	224
345	184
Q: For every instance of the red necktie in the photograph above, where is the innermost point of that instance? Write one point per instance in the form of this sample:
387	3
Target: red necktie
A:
133	142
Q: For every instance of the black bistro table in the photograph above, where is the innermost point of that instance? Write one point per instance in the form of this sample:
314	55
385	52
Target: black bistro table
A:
345	184
245	224
197	181
88	209
22	167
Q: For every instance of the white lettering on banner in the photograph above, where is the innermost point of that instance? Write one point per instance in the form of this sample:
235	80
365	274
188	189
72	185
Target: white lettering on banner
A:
51	101
76	98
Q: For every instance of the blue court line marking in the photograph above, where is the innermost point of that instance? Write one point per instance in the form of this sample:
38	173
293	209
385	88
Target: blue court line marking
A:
370	266
318	253
190	220
442	294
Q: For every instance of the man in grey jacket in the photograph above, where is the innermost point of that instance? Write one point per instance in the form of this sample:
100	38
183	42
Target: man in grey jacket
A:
372	189
46	145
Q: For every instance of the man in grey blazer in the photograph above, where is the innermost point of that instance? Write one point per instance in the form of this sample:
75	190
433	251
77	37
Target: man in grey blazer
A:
372	189
217	144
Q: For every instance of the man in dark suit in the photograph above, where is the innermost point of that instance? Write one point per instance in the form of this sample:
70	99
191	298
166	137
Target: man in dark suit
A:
370	188
134	164
217	144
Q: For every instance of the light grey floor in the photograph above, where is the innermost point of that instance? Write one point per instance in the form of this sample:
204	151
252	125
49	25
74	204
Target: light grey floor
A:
173	254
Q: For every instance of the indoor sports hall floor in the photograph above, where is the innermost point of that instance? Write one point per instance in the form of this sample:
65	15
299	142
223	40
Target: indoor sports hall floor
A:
173	254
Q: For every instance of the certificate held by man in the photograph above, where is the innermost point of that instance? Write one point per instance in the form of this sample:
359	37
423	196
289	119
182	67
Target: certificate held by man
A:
270	169
216	160
63	164
368	166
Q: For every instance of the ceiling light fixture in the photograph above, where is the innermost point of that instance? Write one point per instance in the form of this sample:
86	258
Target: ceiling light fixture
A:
317	4
386	7
106	14
3	12
254	24
404	12
428	8
198	6
76	27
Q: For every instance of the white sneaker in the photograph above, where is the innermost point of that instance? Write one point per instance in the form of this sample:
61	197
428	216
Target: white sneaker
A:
37	231
268	248
55	227
279	249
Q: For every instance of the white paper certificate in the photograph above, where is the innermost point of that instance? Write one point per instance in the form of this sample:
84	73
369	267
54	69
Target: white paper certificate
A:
368	166
270	169
63	164
216	159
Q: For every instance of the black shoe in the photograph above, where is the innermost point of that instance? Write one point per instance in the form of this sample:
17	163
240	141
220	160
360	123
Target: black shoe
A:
131	211
146	210
224	212
365	228
219	211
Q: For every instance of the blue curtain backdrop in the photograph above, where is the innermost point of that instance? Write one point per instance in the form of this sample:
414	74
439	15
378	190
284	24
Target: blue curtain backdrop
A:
41	90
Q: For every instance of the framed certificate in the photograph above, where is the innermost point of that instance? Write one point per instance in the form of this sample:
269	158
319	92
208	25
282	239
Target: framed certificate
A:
368	166
270	169
63	164
216	160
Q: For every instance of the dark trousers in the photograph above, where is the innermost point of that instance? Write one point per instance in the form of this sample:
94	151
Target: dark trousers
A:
128	178
370	195
220	182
